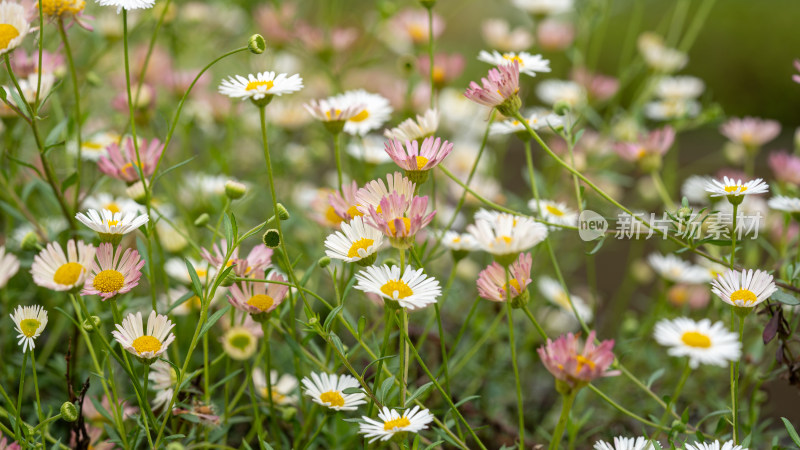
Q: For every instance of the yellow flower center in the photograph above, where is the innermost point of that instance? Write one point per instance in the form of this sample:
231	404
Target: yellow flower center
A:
336	113
745	295
59	7
108	281
331	216
421	161
261	301
362	243
360	117
406	222
735	189
515	283
113	207
201	273
457	239
511	58
695	339
254	85
333	398
92	146
277	397
506	239
241	341
390	425
398	286
8	33
438	75
353	211
417	32
68	273
554	211
583	361
146	344
112	223
29	327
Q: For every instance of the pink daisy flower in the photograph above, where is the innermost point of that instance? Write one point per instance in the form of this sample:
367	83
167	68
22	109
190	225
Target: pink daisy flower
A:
492	280
113	273
499	90
413	157
258	298
751	132
577	368
374	191
345	204
785	166
120	162
257	261
400	219
657	142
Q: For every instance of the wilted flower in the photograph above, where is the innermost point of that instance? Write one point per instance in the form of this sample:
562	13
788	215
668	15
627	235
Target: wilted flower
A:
499	89
412	130
9	265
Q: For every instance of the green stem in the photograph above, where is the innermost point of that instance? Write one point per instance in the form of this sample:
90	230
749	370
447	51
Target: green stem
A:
253	402
512	344
662	190
36	390
17	428
273	417
735	385
733	236
568	399
674	399
338	155
76	93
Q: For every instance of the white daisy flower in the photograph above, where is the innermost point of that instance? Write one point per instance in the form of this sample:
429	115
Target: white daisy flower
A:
13	26
9	265
110	225
669	109
131	336
327	390
411	130
332	110
544	7
376	112
537	120
679	88
459	242
356	242
176	268
30	322
674	269
703	342
625	443
507	234
391	422
658	56
784	203
94	147
694	189
744	289
729	187
554	91
554	212
163	380
716	445
553	292
240	343
260	85
30	86
283	388
127	4
370	149
528	64
52	269
414	290
374	191
107	201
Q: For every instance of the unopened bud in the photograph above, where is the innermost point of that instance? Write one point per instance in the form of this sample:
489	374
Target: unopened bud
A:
324	262
257	45
228	280
69	413
272	238
283	213
202	220
561	107
234	189
90	324
31	242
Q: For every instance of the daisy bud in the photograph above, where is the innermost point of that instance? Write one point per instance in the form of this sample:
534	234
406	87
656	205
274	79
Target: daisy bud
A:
91	323
324	262
229	280
31	242
257	45
137	192
272	238
234	189
69	413
283	213
202	220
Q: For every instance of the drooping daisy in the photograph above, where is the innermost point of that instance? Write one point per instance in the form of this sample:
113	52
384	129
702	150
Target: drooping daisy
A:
93	147
561	91
716	445
494	285
146	346
260	87
528	64
744	289
240	342
258	298
537	120
373	192
785	204
283	388
376	111
414	290
103	200
677	270
392	422
750	132
112	226
506	236
554	212
112	274
625	443
500	89
356	242
573	367
30	322
9	265
127	4
326	389
703	342
554	292
52	269
411	130
163	380
400	218
735	190
413	157
120	161
13	26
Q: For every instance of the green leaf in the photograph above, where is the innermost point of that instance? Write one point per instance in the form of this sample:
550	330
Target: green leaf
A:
597	246
225	380
655	376
424	388
352	390
217	315
174	436
331	317
385	388
786	299
181	301
69	181
197	287
373	362
362	323
338	344
171	169
792	432
55	133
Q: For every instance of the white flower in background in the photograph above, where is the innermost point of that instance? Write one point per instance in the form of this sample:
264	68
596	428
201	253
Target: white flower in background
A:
498	34
127	4
30	322
376	111
694	189
507	234
784	203
555	91
703	342
528	64
260	85
459	242
103	200
93	147
370	149
554	212
716	445
9	265
554	293
744	289
412	421
537	120
674	269
176	268
679	88
283	388
544	7
240	343
327	390
163	380
625	443
658	56
730	187
411	130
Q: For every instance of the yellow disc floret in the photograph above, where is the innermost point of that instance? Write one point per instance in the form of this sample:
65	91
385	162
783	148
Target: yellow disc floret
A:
68	273
401	422
261	301
399	286
146	344
696	339
254	85
362	243
8	33
29	327
333	398
744	295
108	281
